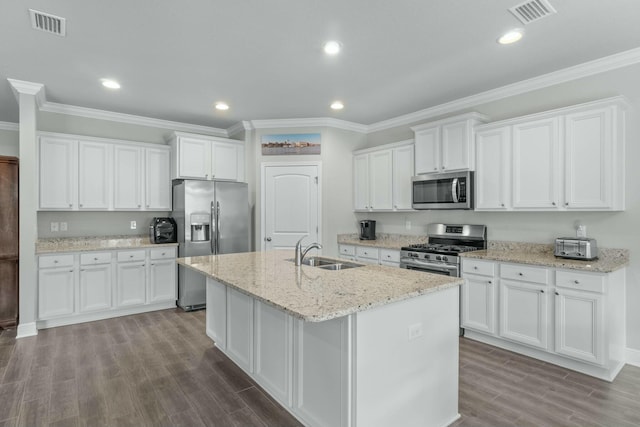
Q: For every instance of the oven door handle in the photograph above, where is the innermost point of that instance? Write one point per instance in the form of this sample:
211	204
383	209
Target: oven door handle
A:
436	267
455	190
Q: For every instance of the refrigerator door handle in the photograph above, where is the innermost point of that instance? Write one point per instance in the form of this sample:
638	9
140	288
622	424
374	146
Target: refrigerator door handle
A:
214	231
217	226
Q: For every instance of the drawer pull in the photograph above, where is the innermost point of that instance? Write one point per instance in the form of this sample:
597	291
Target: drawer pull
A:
95	258
520	274
55	261
577	282
542	291
475	267
557	293
489	282
163	253
130	256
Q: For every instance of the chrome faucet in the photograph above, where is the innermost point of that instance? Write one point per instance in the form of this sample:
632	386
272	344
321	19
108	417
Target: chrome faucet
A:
300	253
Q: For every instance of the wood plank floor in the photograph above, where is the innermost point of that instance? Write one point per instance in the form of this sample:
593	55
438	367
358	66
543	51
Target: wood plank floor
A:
160	369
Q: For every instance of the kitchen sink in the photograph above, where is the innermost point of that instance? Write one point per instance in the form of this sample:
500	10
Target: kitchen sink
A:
328	263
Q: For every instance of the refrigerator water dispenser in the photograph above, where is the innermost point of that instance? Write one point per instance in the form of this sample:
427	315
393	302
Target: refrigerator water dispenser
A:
200	227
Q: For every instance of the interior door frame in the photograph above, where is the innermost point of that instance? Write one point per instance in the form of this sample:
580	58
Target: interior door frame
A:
263	184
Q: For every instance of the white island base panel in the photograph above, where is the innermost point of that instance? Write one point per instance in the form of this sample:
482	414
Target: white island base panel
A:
392	365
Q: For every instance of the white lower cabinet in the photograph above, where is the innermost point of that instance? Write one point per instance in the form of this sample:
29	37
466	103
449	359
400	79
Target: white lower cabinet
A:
56	292
370	255
216	313
87	286
566	317
523	313
95	287
240	328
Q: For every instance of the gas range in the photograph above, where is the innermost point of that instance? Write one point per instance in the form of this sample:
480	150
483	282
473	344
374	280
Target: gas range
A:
446	241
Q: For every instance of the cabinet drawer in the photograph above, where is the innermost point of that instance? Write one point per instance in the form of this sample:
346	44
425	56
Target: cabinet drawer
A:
371	253
164	253
95	258
524	273
124	256
55	261
580	281
389	255
484	268
347	250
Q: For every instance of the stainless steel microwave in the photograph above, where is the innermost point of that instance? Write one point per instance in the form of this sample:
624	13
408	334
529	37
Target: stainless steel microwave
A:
452	190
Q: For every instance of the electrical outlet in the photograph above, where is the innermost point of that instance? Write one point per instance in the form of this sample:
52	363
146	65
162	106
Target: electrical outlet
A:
63	226
415	331
55	226
133	225
407	225
581	231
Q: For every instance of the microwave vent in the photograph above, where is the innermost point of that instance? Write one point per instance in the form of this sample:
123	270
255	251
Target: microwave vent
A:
48	23
532	10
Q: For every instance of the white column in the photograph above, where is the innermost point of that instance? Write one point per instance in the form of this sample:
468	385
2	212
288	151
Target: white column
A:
27	94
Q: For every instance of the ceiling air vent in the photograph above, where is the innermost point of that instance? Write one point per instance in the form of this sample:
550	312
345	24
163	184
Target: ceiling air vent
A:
48	23
533	10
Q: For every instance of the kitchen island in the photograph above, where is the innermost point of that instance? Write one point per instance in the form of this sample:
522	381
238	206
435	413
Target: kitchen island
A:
366	346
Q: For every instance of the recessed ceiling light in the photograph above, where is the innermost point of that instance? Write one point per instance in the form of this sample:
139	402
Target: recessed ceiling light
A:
337	105
511	36
222	106
111	84
332	47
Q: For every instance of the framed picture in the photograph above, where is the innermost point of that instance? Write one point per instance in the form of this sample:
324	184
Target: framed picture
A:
290	143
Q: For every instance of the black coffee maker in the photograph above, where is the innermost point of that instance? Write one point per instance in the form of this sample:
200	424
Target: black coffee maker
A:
367	229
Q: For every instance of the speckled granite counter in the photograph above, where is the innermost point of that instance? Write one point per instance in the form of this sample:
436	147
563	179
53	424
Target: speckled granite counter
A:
311	293
383	240
542	255
82	244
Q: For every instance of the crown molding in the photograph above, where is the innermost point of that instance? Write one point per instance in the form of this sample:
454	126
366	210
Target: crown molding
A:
92	113
310	122
586	69
9	126
28	88
242	126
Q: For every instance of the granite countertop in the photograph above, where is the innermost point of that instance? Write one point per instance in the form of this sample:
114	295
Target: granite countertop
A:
82	244
542	255
311	293
383	240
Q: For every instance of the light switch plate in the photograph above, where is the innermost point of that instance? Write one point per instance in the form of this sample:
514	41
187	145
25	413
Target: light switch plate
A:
63	226
415	331
133	225
55	226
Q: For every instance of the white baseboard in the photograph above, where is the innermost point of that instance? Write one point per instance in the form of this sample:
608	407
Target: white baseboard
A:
27	330
633	357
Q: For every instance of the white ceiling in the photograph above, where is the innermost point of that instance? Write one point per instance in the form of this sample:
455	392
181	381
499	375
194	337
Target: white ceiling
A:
175	59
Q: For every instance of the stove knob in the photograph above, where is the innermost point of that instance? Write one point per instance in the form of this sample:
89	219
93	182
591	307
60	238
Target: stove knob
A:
438	258
444	258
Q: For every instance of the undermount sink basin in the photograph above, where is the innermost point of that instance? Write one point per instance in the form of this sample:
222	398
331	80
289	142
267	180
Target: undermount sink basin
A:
328	263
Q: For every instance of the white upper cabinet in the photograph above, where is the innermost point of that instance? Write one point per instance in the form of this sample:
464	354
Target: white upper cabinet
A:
98	175
493	151
382	177
158	179
446	145
206	157
95	177
128	177
566	159
536	155
58	166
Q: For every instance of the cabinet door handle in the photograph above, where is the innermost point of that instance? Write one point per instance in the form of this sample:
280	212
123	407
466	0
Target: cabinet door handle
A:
395	206
557	293
443	168
475	267
577	282
542	291
566	204
55	261
520	274
70	205
139	206
70	271
435	169
489	282
502	205
80	204
553	203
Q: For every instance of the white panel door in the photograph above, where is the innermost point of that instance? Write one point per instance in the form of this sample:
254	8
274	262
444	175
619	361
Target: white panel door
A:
95	288
225	160
291	205
493	162
535	165
523	313
58	168
455	146
158	179
580	325
427	150
478	303
274	350
240	329
128	177
162	281
380	179
95	176
361	197
195	158
588	160
131	284
403	164
55	292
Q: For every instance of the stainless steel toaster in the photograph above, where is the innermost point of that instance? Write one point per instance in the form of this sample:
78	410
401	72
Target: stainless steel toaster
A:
576	248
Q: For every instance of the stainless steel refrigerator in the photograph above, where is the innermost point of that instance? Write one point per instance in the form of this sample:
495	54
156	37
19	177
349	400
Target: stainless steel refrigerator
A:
212	218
